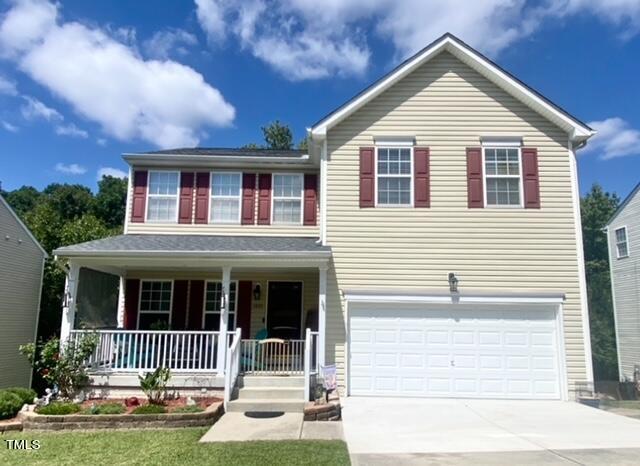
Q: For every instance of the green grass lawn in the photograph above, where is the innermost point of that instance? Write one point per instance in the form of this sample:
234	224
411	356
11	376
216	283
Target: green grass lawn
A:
166	447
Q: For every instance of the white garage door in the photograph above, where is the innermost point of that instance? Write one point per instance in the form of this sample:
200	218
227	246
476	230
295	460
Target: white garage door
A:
453	351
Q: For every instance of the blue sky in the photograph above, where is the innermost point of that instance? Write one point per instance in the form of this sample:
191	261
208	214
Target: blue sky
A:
82	82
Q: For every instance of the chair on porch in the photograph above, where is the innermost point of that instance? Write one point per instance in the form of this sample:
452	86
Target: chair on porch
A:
250	357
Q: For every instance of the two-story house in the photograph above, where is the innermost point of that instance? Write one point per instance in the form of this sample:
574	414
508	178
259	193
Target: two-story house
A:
429	240
623	236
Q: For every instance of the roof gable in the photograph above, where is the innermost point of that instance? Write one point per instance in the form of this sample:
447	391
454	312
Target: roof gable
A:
6	205
577	130
624	203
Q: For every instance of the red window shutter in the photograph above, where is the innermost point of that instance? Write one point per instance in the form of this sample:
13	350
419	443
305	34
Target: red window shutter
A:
202	197
243	316
531	178
310	199
196	304
422	188
248	198
186	197
179	304
264	199
475	191
139	198
131	300
367	177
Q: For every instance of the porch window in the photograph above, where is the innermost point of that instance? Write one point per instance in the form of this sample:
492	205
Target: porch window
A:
213	305
163	196
155	305
287	198
225	197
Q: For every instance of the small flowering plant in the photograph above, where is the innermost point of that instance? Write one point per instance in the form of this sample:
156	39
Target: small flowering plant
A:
62	366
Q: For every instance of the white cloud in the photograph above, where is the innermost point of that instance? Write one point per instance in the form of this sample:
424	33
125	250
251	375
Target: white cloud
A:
9	127
71	169
106	81
164	43
33	109
101	142
110	171
309	39
7	87
615	138
71	130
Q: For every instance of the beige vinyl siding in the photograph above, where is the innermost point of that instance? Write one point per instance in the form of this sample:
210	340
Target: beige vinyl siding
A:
223	229
21	262
447	107
308	277
625	276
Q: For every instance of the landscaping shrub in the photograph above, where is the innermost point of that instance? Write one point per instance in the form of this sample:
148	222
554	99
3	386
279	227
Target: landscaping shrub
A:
188	409
10	404
64	369
149	409
154	384
106	408
58	408
25	394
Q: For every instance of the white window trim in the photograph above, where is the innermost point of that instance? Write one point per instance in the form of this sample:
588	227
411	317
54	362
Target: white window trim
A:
411	175
140	311
163	196
231	311
211	197
626	241
273	198
520	175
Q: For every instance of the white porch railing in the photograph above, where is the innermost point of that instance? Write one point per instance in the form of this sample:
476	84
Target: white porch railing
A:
136	350
311	360
232	366
273	356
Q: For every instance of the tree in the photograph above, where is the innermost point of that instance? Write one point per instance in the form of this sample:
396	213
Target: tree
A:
278	136
23	200
597	207
69	200
109	203
304	143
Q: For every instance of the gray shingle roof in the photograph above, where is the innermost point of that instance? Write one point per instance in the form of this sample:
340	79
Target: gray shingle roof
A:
194	244
236	152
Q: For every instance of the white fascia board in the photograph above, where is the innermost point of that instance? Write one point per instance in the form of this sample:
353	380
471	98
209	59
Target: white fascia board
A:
207	161
191	254
577	131
453	298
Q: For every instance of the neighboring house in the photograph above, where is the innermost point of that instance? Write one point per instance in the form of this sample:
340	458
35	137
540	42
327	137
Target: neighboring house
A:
430	239
623	235
21	268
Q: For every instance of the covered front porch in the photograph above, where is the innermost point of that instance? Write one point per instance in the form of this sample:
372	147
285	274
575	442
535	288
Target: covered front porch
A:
205	314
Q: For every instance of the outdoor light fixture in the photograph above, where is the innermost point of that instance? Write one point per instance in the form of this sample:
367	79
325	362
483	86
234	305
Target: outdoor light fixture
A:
453	282
256	292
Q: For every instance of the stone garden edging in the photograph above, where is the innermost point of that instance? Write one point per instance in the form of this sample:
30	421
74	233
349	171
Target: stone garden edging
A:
34	421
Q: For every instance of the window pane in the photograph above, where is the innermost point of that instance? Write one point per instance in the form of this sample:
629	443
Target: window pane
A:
225	210
394	190
503	191
157	321
286	211
287	186
621	235
225	184
165	183
162	209
213	298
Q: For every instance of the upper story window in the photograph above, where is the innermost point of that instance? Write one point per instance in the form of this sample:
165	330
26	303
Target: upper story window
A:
163	196
503	176
213	305
394	176
155	305
287	198
226	189
622	245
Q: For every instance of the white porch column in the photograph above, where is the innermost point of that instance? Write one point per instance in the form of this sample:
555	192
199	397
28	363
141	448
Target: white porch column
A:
69	302
322	312
224	317
120	317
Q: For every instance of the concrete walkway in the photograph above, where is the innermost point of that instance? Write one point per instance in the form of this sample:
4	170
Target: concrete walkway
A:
236	427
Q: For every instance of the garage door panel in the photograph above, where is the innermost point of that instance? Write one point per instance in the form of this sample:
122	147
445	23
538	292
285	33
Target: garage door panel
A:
463	352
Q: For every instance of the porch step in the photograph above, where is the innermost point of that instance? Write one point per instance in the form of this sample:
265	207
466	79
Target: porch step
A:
287	405
271	393
270	381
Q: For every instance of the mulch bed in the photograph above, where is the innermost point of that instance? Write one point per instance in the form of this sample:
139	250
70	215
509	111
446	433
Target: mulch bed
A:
171	404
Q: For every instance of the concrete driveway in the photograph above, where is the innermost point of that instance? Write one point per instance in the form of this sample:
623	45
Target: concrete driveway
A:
396	427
